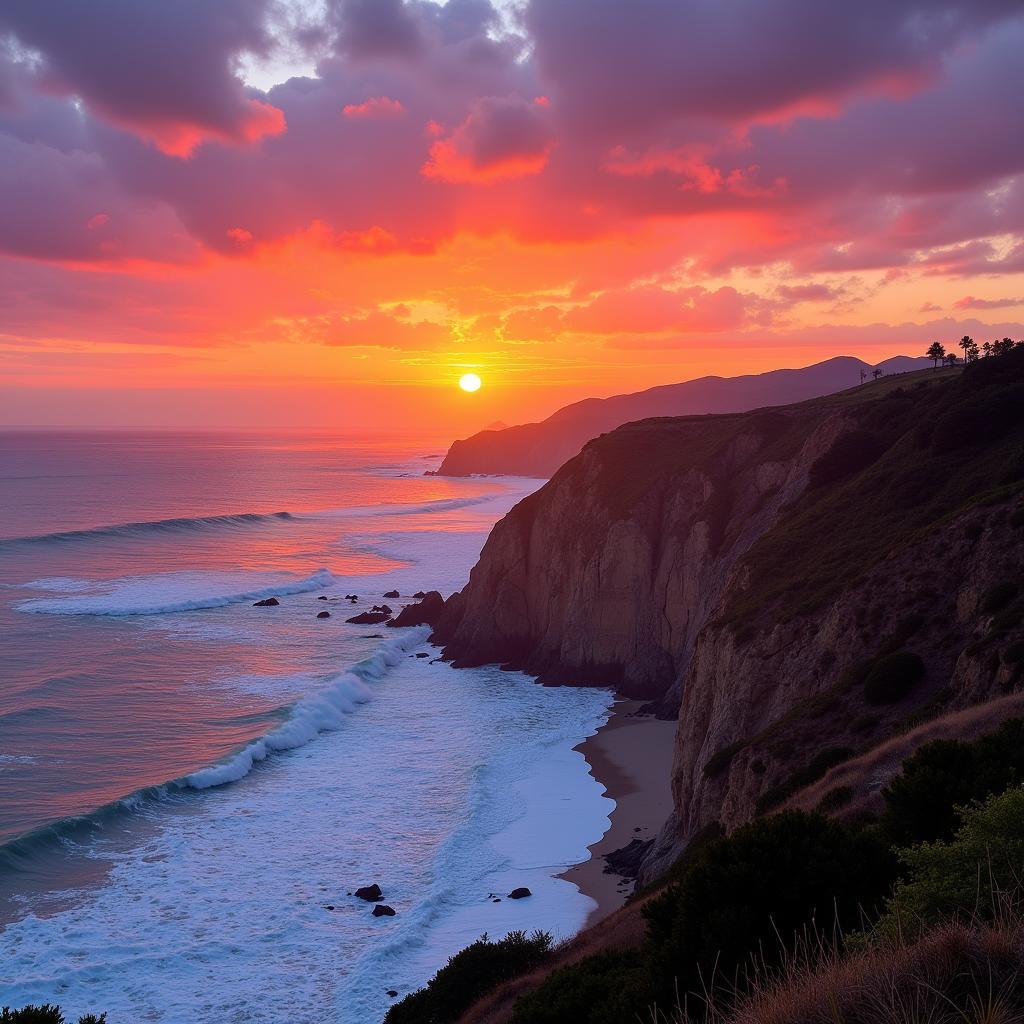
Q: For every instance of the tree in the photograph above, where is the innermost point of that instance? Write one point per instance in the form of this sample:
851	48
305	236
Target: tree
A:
876	373
1003	347
951	358
972	352
936	353
987	349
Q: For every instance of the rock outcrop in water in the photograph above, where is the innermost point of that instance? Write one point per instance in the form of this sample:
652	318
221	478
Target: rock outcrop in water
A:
769	573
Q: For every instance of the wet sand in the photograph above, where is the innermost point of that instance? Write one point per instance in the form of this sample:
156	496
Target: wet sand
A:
632	758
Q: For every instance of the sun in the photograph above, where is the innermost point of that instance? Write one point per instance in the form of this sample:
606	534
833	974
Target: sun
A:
470	382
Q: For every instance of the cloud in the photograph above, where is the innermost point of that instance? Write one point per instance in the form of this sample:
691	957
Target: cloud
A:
375	107
971	302
379	330
164	71
501	138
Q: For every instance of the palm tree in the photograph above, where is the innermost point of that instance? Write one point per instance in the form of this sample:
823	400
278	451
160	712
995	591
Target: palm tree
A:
936	353
965	343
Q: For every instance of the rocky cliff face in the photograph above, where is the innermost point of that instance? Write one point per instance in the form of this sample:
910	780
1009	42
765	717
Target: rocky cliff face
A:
802	582
608	573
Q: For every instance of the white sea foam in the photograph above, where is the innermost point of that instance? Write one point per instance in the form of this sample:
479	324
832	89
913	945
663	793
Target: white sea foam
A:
317	713
164	593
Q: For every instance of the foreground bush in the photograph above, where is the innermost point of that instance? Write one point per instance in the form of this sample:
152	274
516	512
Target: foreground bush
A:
738	895
967	877
44	1014
921	802
470	974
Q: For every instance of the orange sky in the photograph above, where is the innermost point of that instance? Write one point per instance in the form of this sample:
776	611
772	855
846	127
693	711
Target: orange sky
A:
560	211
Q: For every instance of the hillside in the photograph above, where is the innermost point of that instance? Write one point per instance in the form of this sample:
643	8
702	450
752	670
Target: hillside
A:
753	569
538	449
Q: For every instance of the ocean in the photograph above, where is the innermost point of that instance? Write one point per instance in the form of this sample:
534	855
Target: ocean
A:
191	787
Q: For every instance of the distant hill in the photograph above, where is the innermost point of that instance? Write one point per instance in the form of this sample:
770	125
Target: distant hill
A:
538	449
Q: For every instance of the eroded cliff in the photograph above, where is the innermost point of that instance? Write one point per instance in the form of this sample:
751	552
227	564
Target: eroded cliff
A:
804	582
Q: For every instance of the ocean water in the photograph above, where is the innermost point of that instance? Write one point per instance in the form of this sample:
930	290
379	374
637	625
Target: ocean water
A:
191	787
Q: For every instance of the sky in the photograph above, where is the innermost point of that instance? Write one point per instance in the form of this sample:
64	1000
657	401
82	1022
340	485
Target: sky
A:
321	213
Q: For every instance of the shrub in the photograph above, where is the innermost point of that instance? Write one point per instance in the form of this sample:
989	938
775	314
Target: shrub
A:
45	1014
921	802
968	876
892	677
822	761
470	974
849	454
606	988
749	893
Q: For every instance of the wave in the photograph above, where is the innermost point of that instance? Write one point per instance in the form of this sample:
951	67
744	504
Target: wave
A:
308	717
135	596
142	529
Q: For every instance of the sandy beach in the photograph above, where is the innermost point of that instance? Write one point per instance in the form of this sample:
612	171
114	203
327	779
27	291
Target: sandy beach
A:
631	757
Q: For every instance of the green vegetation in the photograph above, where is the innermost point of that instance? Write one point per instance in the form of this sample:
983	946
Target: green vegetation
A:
755	889
470	974
818	766
44	1014
969	875
851	452
892	677
902	497
921	802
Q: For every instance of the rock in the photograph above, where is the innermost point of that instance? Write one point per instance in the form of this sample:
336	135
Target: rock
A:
386	609
267	602
392	594
418	596
392	993
372	636
370	893
369	618
626	861
422	654
383	910
329	906
323	615
321	598
426	613
519	894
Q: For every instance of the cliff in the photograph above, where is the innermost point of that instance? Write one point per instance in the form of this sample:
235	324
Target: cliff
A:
538	449
759	570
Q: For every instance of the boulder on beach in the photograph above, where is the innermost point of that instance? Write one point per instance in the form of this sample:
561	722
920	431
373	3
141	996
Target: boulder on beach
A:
369	618
323	615
385	608
267	602
383	910
321	598
426	613
392	594
422	654
370	893
418	596
519	894
392	992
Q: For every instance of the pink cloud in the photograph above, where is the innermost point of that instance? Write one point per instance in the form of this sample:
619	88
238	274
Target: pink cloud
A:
502	138
970	302
373	108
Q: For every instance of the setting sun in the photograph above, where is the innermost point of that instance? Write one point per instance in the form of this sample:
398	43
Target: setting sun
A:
470	382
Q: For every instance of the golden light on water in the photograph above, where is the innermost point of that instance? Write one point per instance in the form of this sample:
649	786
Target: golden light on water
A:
470	382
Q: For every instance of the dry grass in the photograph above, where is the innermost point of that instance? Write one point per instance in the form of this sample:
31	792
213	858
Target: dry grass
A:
870	773
958	973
